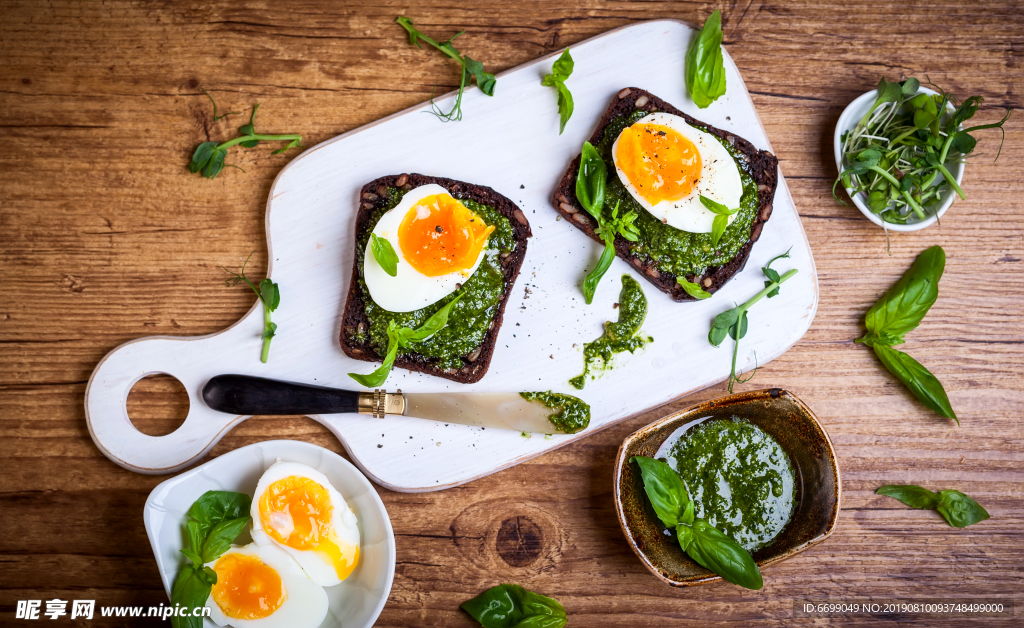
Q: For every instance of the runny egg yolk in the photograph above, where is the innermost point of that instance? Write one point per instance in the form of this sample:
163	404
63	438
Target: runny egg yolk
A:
297	512
247	587
659	162
439	235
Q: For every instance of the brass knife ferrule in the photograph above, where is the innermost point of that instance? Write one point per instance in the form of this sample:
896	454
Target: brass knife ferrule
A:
379	403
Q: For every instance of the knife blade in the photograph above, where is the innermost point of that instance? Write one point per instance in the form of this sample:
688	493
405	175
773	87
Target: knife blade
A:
251	396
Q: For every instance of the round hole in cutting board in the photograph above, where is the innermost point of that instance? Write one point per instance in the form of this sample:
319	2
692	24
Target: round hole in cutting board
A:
157	404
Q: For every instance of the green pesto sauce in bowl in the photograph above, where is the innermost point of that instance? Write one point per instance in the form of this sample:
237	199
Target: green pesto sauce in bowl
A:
617	337
672	250
469	319
739	477
571	414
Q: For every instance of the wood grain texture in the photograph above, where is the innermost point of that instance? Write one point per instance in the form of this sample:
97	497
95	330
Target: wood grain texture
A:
107	238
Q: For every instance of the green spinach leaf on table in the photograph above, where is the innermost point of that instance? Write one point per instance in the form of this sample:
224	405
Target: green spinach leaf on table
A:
512	606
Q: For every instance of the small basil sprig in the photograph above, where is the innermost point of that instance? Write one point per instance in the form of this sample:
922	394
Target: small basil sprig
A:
590	192
560	71
404	338
957	509
269	294
705	65
385	254
484	80
733	322
901	310
208	157
214	521
721	221
692	289
512	606
709	546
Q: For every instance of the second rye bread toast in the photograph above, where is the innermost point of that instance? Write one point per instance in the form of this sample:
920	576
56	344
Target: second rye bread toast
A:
761	165
376	197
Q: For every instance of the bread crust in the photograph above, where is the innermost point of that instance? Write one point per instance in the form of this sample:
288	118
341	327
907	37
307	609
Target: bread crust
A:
760	164
372	196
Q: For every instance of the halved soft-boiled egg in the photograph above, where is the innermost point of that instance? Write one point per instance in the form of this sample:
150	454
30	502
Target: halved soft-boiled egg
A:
439	243
263	587
296	508
666	165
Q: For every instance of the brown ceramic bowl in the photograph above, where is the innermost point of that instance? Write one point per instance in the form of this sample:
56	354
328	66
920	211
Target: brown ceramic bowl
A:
785	418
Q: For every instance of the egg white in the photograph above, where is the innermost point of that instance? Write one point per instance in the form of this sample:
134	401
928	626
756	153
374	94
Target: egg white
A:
346	527
719	179
305	604
409	290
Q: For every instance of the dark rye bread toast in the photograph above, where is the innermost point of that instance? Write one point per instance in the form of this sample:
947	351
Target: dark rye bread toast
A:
374	196
761	165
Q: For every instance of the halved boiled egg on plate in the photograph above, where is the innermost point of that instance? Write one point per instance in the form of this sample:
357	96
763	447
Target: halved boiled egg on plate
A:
263	587
666	165
296	508
439	242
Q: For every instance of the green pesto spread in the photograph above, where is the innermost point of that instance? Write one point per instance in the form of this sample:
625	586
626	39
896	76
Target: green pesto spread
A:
469	319
739	477
571	413
674	251
619	336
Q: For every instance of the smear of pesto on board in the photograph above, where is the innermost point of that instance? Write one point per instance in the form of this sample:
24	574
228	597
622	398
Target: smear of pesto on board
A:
619	336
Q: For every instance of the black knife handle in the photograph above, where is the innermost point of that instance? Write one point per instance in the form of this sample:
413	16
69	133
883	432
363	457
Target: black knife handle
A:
245	394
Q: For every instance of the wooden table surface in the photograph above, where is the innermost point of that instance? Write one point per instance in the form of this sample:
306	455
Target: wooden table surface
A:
106	238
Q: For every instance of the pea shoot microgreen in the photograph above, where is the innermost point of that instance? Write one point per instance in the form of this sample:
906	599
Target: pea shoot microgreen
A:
470	68
721	220
405	338
899	154
385	254
560	71
957	509
208	157
733	323
269	294
901	310
707	545
705	64
590	190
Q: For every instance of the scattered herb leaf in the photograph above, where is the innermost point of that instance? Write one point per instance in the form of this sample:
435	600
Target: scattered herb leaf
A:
385	254
512	606
957	509
484	80
705	65
560	71
733	323
692	289
269	294
721	221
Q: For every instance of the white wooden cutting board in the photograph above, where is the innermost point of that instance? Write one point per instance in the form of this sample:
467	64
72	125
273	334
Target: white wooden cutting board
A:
509	142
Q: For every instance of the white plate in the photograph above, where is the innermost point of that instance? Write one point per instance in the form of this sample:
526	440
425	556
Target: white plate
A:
356	602
509	142
849	119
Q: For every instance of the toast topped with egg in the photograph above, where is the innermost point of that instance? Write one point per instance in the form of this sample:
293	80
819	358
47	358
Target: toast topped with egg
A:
453	240
659	162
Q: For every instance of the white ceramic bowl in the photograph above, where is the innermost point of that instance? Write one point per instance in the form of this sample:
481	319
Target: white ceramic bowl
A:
356	602
851	116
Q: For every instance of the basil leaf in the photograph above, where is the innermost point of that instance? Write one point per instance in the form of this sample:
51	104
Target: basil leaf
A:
215	506
192	556
563	66
220	537
560	71
882	338
379	376
603	264
590	181
718	226
705	66
565	106
684	534
925	386
692	289
196	532
910	298
959	510
385	254
715	207
910	495
190	590
434	324
717	552
665	490
512	606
